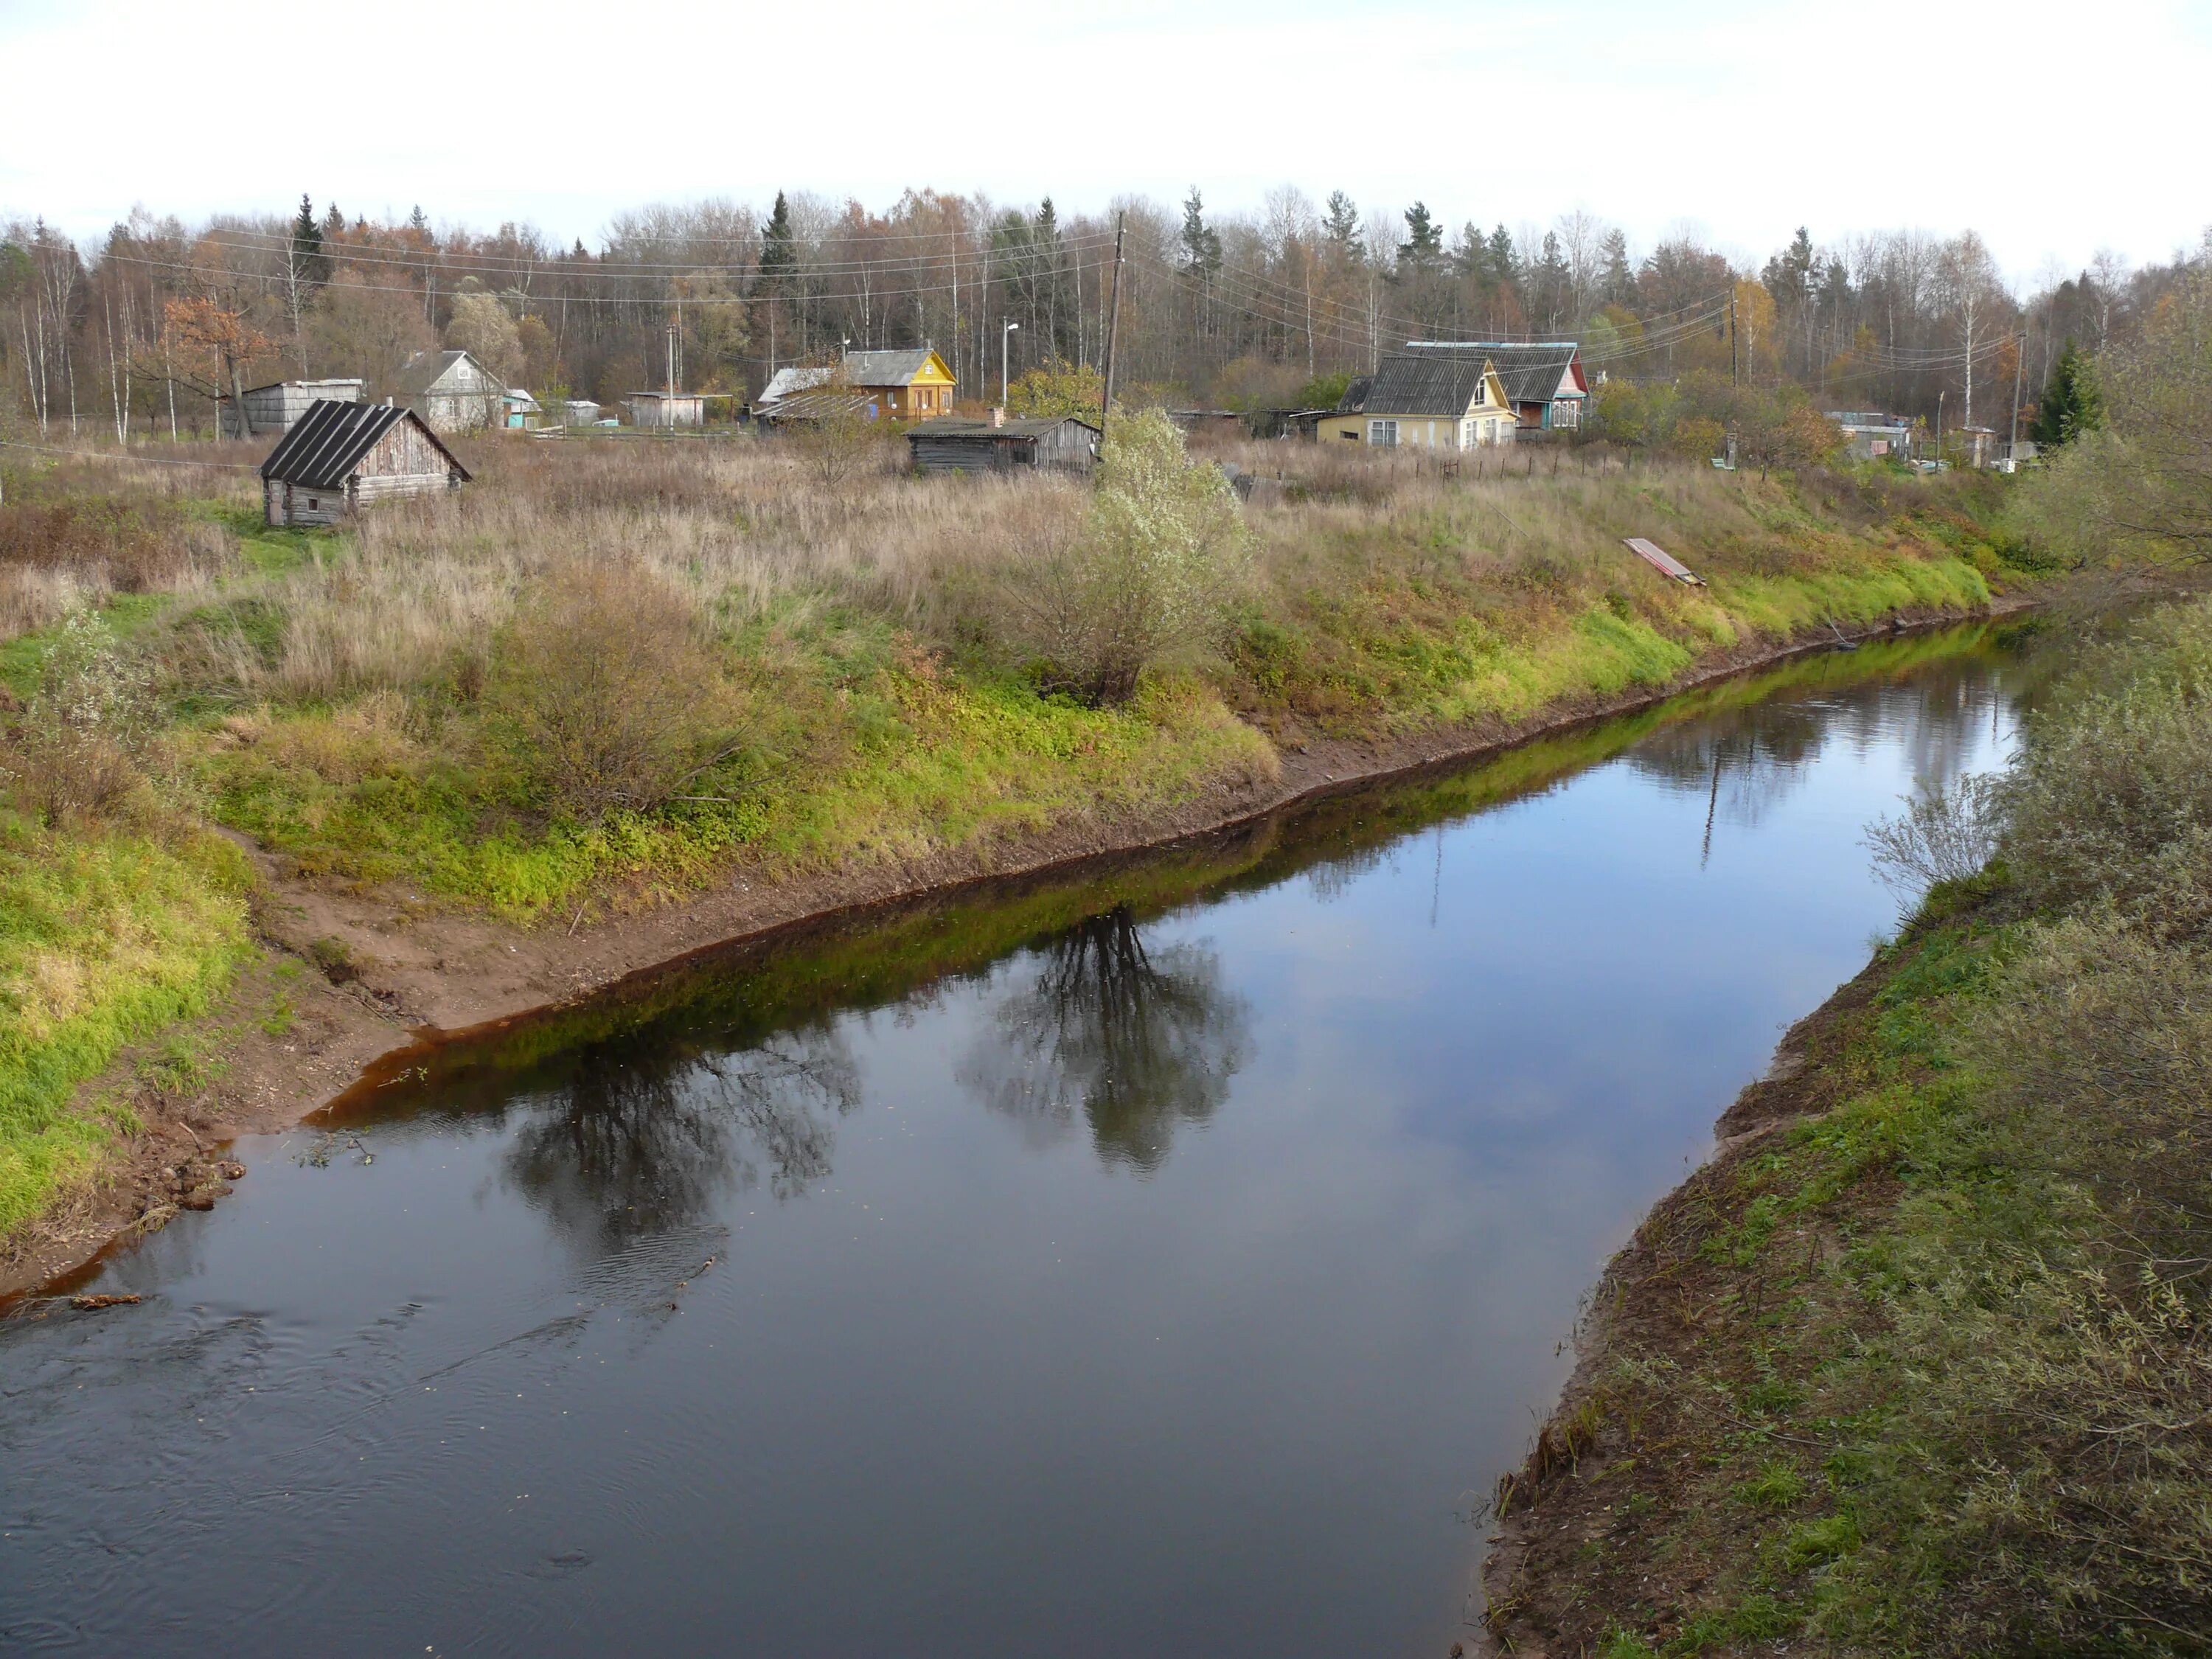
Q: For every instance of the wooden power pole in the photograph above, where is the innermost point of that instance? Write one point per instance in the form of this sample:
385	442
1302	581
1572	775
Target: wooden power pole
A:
1113	333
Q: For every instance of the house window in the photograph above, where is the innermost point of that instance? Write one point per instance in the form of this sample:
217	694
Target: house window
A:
1468	440
1349	435
1384	432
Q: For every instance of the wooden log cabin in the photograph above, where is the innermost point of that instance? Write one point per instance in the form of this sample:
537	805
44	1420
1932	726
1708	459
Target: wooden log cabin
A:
954	444
339	456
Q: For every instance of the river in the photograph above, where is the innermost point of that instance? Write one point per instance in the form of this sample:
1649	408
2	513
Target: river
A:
1163	1260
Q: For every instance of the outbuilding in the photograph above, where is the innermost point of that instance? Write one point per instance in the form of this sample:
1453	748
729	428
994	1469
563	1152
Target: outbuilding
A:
338	456
954	443
272	409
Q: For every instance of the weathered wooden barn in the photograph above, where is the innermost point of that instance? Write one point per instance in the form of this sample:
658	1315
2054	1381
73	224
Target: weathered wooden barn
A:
668	409
271	408
452	392
338	456
957	444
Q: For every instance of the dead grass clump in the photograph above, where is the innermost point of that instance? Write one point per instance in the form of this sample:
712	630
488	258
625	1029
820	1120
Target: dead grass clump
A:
59	553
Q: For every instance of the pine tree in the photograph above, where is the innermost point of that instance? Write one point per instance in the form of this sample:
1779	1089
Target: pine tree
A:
1201	245
2071	405
1340	224
310	267
1424	243
333	224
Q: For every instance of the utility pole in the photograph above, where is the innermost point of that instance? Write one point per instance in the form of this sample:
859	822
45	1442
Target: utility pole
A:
1006	387
2019	363
1113	334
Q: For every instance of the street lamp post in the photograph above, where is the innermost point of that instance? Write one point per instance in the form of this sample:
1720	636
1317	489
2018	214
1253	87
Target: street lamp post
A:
1005	335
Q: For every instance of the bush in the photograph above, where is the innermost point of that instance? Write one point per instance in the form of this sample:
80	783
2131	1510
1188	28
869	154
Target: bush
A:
80	748
601	697
1151	574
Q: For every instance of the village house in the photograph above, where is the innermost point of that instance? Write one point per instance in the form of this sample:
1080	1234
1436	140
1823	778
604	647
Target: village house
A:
339	455
522	408
580	411
1543	378
271	408
1423	400
953	443
899	386
452	392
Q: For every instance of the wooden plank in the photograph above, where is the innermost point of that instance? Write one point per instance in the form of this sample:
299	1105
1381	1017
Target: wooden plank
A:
1662	560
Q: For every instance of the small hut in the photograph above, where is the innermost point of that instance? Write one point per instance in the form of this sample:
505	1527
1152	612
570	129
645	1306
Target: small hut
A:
272	409
339	455
955	443
667	408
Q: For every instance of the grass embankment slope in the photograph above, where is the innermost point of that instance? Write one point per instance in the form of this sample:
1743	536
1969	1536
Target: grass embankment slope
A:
1922	1364
604	676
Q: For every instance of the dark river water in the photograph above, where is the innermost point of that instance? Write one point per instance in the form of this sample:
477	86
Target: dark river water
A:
1166	1261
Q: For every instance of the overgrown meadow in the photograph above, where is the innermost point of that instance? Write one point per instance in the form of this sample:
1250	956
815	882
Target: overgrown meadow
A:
612	671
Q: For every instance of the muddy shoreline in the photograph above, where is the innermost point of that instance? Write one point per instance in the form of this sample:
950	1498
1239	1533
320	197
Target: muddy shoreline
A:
410	976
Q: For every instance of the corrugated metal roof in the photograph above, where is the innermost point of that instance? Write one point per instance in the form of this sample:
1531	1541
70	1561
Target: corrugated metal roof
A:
1355	395
329	440
1417	382
1531	371
815	405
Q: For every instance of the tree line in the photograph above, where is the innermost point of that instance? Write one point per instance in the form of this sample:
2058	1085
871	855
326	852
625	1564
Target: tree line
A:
1276	307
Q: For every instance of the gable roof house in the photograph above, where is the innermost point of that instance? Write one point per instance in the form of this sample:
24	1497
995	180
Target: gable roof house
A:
272	409
1426	401
451	391
339	455
1543	378
899	386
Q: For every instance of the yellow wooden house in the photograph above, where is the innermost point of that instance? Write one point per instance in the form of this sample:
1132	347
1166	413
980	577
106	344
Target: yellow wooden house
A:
894	385
1423	401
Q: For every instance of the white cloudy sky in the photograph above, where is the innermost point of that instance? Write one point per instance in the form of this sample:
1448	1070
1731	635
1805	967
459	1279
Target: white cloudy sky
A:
2056	129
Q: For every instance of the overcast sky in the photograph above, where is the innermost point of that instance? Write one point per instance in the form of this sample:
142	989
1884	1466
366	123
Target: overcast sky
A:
2056	130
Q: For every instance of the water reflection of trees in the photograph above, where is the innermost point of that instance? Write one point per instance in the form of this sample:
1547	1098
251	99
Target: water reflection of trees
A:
640	1143
1746	763
1135	1040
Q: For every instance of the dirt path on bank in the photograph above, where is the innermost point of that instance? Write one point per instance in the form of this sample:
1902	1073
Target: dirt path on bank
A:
353	978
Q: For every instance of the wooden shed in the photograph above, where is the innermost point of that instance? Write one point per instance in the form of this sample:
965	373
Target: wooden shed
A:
271	408
956	444
339	455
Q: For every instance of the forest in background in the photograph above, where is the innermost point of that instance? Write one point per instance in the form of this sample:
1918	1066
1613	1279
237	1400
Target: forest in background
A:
142	332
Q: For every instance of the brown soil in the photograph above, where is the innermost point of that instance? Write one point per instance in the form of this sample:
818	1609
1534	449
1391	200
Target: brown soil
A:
367	974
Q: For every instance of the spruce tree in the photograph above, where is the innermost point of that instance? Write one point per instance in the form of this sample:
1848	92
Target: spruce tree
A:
1616	282
310	268
2071	405
1201	244
1503	265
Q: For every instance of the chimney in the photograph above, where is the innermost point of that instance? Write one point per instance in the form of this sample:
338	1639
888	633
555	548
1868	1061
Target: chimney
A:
997	414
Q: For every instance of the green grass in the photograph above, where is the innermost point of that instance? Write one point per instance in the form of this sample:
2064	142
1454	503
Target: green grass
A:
105	940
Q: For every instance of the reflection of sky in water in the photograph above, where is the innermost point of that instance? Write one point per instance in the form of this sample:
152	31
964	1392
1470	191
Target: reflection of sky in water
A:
1175	1285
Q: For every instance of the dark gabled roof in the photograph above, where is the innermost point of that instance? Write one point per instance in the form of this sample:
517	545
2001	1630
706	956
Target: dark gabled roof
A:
967	426
1531	371
330	438
1426	383
1355	395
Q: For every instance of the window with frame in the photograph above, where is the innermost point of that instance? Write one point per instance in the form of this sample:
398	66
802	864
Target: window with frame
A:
1384	432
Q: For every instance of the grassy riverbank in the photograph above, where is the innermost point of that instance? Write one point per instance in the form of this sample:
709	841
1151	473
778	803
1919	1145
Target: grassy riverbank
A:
1922	1362
772	672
